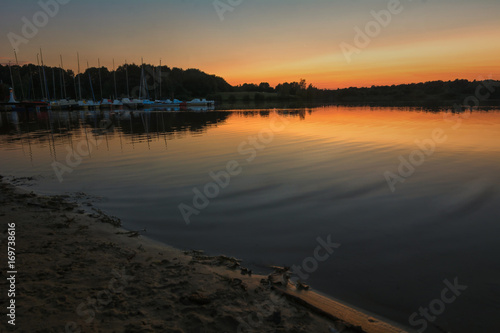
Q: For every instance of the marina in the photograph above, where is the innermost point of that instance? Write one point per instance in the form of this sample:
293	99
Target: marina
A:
144	92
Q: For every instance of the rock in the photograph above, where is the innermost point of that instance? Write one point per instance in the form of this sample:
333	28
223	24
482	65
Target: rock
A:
233	265
236	282
278	279
302	286
279	269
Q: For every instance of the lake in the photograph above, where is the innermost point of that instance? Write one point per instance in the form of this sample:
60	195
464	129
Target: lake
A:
408	196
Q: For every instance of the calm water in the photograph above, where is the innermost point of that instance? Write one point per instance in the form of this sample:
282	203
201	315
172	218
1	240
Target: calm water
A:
319	173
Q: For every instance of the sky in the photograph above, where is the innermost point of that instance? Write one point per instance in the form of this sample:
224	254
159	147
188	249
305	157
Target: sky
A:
331	44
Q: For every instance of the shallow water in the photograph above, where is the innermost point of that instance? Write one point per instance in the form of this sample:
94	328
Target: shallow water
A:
311	173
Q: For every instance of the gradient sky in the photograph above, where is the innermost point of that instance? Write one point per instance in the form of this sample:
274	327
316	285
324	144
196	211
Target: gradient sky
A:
271	41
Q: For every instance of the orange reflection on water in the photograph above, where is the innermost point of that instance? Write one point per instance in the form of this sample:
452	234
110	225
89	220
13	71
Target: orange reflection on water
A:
476	130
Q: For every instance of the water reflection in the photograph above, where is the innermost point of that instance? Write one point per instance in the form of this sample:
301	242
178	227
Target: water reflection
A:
29	127
147	121
47	123
130	122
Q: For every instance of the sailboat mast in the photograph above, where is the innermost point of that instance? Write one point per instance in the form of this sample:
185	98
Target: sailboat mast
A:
143	78
90	80
74	86
114	79
32	86
154	80
146	88
100	79
19	74
44	76
40	75
61	83
126	76
79	81
140	84
54	81
160	80
63	79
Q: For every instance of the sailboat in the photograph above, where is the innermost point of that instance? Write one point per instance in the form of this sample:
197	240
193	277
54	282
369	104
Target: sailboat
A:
200	103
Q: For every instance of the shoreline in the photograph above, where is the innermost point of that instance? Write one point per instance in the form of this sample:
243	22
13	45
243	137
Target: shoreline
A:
81	272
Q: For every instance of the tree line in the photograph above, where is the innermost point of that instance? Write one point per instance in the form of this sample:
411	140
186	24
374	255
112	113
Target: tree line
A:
34	82
432	92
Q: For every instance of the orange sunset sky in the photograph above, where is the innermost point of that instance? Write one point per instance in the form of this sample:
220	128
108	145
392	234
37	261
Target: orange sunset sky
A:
262	41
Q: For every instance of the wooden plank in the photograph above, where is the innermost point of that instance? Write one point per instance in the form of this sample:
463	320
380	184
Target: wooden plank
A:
338	310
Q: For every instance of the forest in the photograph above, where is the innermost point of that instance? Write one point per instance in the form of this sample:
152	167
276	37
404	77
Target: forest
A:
132	81
32	82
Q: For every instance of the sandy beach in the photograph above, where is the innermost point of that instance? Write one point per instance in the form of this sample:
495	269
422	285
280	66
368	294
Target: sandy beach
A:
79	271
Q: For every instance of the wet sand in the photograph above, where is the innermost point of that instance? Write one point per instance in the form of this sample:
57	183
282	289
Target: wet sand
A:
78	271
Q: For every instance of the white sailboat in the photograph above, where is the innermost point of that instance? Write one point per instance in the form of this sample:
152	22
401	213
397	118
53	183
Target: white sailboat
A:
200	102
